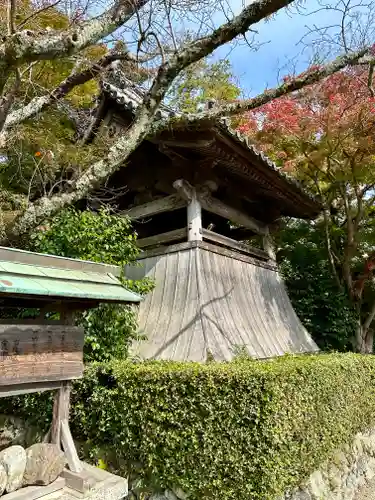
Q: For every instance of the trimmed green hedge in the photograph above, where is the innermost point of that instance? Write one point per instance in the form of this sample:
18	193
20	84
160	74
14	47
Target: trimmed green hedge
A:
240	430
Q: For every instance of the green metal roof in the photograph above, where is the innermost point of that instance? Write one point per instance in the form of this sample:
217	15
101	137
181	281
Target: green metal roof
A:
46	276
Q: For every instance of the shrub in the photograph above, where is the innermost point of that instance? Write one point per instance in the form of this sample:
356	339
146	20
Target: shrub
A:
240	430
104	237
324	309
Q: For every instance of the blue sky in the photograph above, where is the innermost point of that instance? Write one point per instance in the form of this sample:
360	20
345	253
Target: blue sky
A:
279	39
281	36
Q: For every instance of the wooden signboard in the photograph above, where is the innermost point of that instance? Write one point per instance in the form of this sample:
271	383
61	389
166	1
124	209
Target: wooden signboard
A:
40	353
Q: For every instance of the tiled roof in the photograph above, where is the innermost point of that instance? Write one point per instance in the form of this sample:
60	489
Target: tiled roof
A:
130	95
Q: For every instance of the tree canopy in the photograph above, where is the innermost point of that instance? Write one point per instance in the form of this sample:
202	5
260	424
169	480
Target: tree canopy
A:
204	81
323	135
51	55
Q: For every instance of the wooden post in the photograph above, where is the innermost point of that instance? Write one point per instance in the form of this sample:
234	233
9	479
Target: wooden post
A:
268	245
60	431
194	218
194	209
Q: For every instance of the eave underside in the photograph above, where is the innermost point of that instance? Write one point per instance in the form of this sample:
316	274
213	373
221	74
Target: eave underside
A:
245	179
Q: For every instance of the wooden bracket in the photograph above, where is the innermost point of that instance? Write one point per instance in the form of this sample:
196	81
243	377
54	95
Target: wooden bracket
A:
184	189
208	202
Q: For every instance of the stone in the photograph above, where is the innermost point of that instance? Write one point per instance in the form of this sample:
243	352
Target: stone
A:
358	445
301	495
3	479
180	494
335	482
45	462
340	460
169	495
13	459
318	487
370	471
352	481
361	466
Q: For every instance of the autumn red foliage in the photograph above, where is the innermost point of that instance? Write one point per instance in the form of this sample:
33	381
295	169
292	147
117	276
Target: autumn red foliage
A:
334	117
325	136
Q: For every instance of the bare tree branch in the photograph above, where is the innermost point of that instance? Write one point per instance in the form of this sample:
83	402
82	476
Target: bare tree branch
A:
144	123
7	101
297	83
370	80
38	104
11	16
28	46
37	13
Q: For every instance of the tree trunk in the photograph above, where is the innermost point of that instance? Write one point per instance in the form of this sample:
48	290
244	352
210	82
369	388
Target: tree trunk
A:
369	341
364	343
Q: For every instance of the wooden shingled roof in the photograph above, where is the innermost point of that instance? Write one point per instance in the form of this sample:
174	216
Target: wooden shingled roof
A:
238	161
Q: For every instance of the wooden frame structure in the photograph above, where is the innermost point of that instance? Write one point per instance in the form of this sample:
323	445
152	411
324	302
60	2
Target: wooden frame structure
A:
195	199
197	192
46	352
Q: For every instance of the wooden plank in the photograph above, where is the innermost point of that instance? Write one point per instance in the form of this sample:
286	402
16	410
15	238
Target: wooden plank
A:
40	353
35	492
227	252
167	204
158	239
177	247
216	206
236	245
17	389
69	448
81	482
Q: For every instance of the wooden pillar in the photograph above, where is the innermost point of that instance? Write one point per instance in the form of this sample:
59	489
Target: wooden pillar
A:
60	431
194	209
268	245
194	218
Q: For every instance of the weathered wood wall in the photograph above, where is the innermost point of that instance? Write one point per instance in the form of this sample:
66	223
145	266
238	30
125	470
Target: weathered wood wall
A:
212	299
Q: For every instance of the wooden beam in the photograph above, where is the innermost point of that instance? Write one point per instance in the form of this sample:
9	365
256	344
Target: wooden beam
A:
69	448
36	492
194	208
28	388
211	204
61	408
167	204
195	143
157	239
184	189
81	482
217	207
228	242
